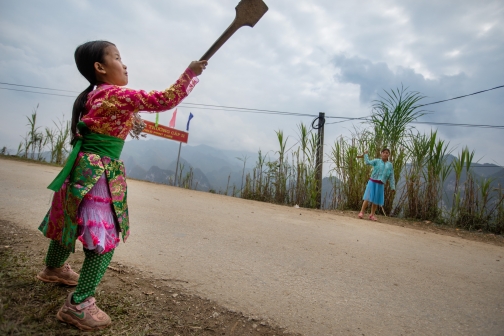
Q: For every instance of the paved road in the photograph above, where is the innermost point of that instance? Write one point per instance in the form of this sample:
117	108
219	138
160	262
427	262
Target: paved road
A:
315	273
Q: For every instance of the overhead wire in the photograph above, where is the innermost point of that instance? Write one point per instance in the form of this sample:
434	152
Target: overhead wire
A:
43	93
274	112
253	110
191	105
431	122
284	113
467	95
37	87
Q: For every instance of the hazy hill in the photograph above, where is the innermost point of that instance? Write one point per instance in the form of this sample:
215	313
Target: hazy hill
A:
220	170
155	160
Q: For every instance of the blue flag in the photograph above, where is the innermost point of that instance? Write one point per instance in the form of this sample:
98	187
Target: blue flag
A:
189	120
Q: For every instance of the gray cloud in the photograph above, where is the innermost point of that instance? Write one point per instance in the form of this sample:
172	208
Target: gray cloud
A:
304	56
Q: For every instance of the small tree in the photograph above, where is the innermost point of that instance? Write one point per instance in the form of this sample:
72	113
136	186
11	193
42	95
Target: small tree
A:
391	118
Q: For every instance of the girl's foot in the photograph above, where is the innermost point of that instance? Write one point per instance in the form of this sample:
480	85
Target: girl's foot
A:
361	215
64	275
85	315
373	218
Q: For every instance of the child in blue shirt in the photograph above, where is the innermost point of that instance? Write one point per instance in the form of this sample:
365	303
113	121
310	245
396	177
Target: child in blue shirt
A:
382	172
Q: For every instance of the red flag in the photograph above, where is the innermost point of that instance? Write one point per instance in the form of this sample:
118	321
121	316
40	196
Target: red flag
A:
172	121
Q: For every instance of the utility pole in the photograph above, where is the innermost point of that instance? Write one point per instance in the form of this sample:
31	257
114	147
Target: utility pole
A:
320	155
176	168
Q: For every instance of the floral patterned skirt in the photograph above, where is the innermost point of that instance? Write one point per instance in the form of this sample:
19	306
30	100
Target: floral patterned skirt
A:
97	228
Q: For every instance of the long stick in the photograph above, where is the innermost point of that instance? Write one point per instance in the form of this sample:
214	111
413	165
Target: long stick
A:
248	13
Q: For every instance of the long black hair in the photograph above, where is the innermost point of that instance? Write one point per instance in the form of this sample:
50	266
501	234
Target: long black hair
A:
85	57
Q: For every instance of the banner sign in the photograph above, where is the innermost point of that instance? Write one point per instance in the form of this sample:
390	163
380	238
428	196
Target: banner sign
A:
165	132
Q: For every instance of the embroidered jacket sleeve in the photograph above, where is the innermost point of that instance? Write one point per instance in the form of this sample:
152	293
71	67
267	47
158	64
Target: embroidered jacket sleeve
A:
157	101
111	108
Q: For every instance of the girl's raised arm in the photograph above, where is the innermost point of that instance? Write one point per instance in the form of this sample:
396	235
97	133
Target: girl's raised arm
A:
157	101
367	161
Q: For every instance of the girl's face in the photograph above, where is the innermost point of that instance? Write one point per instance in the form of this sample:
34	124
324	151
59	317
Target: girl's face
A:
385	155
112	70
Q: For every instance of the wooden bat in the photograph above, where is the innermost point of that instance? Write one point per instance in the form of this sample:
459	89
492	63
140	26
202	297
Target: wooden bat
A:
248	13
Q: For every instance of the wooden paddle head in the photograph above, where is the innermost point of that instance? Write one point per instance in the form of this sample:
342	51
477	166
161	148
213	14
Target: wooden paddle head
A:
249	12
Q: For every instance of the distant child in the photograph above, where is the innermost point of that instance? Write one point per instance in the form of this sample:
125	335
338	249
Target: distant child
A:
89	203
383	171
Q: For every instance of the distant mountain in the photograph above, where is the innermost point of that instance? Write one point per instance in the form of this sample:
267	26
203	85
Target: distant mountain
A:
167	176
480	173
158	175
223	170
481	170
212	168
148	153
498	177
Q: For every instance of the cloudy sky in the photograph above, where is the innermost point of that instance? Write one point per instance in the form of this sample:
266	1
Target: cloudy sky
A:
304	56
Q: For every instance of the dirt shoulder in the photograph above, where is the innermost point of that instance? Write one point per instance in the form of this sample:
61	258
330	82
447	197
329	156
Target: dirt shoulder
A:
139	304
479	236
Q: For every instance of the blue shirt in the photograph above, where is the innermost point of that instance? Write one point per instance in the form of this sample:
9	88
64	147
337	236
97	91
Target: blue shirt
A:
382	171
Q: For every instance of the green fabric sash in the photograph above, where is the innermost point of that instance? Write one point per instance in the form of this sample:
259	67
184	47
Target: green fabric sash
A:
103	145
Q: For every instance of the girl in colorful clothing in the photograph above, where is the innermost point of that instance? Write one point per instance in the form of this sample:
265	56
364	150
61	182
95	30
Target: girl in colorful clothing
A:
382	172
89	202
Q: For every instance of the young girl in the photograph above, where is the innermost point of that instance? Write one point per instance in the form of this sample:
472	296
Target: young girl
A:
89	203
382	172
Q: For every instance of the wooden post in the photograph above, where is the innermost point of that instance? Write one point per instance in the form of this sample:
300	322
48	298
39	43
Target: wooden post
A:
176	168
320	157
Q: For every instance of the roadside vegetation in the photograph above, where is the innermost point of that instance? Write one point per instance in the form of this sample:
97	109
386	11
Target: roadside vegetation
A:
50	145
429	187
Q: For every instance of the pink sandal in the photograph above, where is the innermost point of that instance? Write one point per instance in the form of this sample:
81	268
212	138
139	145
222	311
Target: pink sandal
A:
373	218
361	215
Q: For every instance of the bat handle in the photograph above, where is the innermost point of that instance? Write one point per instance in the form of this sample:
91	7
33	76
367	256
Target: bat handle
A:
220	41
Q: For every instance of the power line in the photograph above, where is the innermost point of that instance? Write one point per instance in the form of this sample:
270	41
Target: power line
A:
37	87
43	93
242	110
427	123
345	119
232	108
259	111
437	102
196	106
467	95
249	109
459	125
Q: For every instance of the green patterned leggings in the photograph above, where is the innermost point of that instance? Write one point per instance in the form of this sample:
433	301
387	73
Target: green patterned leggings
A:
91	273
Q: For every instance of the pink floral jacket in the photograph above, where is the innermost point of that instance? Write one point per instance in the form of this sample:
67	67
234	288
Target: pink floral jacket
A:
111	112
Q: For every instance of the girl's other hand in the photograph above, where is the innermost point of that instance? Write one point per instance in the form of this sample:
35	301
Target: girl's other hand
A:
198	66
